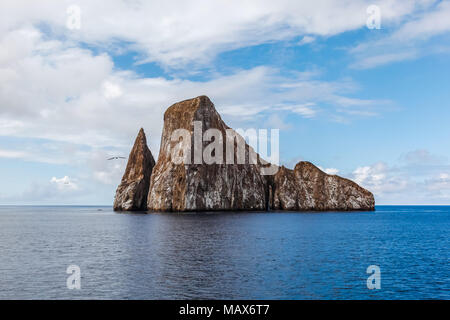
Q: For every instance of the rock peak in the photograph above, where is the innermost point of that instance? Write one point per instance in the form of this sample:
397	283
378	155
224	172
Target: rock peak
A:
133	189
141	140
201	187
187	108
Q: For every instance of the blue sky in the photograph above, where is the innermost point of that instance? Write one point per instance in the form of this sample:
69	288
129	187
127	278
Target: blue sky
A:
368	104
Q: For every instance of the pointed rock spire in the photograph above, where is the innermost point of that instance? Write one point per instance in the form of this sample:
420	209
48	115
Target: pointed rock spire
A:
131	195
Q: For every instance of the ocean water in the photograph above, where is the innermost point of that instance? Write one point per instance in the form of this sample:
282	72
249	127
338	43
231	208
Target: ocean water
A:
277	255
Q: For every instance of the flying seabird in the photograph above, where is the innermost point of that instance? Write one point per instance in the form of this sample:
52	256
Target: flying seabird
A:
116	158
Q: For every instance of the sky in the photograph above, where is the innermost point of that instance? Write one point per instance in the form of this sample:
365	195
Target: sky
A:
359	88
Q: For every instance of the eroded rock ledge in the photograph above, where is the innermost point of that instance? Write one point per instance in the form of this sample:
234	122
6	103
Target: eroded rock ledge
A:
167	186
307	188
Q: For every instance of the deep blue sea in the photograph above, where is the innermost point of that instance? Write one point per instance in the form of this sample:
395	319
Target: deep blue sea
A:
224	255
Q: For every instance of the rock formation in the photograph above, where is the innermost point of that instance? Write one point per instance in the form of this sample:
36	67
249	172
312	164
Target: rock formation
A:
202	187
309	188
194	185
131	195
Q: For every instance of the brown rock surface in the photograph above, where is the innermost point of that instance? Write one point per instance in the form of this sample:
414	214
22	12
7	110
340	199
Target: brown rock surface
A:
198	186
309	188
131	195
202	187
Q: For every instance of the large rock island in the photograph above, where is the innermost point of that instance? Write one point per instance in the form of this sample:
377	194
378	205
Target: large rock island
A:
197	184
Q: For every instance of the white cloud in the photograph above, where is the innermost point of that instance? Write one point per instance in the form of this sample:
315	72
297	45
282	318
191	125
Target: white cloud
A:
306	40
111	90
104	177
54	191
422	157
275	121
384	58
439	183
410	40
428	24
51	152
108	172
178	32
61	93
418	178
331	171
381	179
12	154
306	110
64	183
444	176
370	174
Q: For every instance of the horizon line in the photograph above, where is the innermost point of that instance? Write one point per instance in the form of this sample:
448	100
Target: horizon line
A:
108	205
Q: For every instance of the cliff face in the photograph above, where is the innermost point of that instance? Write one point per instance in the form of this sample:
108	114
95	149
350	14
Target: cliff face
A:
131	195
309	188
201	187
199	184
